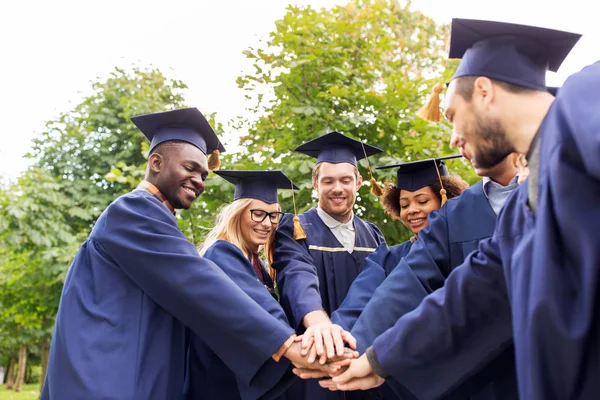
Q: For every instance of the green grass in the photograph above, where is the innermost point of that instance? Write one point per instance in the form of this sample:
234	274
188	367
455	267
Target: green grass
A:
28	392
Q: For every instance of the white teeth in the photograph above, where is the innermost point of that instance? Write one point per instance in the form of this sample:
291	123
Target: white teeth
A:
261	232
190	191
414	221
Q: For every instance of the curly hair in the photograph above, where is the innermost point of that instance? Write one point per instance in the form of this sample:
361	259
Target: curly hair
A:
391	194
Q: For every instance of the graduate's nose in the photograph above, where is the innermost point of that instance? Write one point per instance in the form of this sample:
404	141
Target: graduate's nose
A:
198	184
337	187
413	209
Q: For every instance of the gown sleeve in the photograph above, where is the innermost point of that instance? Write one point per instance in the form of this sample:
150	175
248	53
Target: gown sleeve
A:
378	266
418	273
456	330
142	238
296	274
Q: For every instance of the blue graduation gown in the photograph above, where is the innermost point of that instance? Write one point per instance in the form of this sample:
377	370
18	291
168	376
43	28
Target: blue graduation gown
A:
453	232
315	274
130	292
554	276
207	375
378	266
545	267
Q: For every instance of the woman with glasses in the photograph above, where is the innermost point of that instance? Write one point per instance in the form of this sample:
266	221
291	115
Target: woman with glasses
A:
243	228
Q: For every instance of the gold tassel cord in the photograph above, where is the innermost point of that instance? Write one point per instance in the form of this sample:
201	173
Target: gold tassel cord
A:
442	190
375	188
431	110
299	233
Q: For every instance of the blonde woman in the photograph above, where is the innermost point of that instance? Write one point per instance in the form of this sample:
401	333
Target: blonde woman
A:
242	229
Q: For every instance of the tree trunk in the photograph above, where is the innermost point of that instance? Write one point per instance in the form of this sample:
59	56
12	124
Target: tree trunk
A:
10	378
21	370
45	351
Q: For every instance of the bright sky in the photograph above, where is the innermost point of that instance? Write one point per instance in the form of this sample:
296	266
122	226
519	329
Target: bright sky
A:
50	50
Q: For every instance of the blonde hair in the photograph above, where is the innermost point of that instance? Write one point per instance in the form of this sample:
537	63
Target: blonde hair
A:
228	227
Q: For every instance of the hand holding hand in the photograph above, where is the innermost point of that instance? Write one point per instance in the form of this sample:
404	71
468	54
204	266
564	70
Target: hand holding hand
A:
358	376
326	340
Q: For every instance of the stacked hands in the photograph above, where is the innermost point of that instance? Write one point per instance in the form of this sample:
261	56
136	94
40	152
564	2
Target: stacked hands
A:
321	353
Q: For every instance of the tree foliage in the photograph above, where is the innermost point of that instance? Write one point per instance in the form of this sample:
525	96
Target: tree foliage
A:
362	69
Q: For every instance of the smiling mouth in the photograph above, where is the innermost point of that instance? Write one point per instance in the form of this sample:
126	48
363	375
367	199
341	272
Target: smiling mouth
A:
337	199
261	232
191	191
416	221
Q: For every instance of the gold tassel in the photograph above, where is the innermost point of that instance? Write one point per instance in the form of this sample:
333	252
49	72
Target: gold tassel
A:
375	188
431	110
213	160
299	233
442	190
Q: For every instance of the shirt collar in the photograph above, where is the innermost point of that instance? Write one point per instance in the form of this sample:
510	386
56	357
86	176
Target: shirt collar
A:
489	182
332	222
153	190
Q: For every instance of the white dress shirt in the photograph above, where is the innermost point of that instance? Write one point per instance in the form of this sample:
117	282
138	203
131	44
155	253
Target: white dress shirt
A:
343	232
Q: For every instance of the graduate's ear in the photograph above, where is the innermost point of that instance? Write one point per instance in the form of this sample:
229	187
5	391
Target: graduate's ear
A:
483	91
156	163
359	182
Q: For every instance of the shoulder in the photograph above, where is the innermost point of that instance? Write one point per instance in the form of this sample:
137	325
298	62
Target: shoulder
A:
366	224
582	81
401	248
136	210
139	202
222	247
470	193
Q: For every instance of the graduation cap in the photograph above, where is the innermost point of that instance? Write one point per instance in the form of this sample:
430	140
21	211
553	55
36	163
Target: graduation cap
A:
512	53
415	175
186	124
336	148
260	185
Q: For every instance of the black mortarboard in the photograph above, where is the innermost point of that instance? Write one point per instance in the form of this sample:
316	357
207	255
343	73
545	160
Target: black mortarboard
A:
336	148
260	185
418	174
512	53
186	124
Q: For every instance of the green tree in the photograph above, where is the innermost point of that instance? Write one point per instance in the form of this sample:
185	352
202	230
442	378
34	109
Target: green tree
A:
84	144
37	245
363	69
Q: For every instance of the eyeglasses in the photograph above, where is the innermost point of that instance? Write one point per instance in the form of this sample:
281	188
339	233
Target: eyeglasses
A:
260	215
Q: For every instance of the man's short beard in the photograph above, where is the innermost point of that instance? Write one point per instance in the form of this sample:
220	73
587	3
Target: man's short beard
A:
493	147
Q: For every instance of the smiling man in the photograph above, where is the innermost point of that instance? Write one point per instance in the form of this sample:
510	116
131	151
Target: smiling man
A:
137	282
315	273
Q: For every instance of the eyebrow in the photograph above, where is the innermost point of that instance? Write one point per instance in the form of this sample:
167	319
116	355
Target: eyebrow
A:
341	177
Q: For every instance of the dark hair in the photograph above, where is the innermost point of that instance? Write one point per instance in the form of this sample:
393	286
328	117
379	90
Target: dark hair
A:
391	194
466	84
